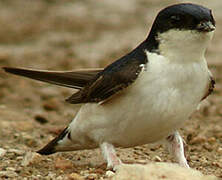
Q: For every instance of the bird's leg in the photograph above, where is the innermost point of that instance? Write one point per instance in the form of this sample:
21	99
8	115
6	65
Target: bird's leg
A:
175	146
109	154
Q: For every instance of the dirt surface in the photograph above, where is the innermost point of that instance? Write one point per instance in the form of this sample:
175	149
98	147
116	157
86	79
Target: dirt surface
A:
65	35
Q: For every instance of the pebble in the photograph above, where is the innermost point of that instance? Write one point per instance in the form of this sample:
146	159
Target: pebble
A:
60	178
91	176
4	56
8	174
63	164
51	175
19	158
158	171
84	172
204	161
109	174
75	176
2	152
141	161
16	151
211	140
219	150
10	169
198	140
31	158
41	119
51	105
28	139
157	159
217	164
208	147
99	171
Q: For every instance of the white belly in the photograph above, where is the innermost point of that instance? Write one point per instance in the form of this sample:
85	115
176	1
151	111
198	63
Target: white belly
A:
157	103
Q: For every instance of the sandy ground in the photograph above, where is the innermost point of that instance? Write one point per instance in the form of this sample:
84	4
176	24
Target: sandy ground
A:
65	35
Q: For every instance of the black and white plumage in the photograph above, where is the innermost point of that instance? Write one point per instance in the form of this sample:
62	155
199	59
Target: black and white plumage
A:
144	96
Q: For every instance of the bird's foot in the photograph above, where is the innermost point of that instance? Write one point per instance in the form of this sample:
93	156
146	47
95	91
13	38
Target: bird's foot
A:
114	163
184	164
175	146
110	156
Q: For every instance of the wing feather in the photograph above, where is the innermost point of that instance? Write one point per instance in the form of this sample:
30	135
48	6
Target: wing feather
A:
72	79
95	85
108	82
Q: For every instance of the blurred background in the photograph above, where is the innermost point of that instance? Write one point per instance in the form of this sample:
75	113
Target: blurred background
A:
74	34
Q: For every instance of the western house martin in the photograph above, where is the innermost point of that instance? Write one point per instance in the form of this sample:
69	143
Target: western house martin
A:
144	96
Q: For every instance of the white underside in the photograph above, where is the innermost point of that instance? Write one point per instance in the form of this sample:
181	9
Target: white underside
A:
164	95
160	100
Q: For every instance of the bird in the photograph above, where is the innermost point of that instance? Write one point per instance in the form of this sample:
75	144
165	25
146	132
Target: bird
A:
144	96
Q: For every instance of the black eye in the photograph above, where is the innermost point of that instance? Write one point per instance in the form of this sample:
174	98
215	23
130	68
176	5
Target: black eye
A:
175	18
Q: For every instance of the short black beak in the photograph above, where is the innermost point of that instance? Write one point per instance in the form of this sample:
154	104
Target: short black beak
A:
206	26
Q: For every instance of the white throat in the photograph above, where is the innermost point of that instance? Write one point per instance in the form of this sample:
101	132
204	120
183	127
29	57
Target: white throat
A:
188	45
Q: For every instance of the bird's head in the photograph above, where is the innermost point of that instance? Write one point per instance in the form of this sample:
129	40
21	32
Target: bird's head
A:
182	28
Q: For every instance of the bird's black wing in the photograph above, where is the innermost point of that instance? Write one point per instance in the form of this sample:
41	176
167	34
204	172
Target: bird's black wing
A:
94	85
72	79
111	80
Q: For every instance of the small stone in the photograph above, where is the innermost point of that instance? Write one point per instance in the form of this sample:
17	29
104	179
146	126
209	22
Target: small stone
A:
2	152
219	150
99	171
16	151
217	164
218	135
198	140
63	164
60	178
55	130
194	157
158	171
84	172
92	176
141	161
51	105
203	160
208	147
75	176
109	174
41	119
10	169
51	175
4	56
211	140
31	158
157	159
8	174
19	158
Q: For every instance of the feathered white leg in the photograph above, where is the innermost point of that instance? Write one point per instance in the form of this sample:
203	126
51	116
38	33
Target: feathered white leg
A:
109	155
175	146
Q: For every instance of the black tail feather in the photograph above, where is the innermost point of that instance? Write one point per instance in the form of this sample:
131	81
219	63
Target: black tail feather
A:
50	148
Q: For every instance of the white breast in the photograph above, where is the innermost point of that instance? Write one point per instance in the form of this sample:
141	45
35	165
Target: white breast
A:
163	97
160	100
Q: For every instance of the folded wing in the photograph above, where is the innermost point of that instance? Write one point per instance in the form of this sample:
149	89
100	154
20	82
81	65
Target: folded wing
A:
95	85
112	80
